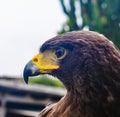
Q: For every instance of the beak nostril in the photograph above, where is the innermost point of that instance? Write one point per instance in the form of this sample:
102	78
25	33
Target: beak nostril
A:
35	60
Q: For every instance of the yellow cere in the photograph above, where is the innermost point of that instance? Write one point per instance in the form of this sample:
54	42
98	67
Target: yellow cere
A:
45	62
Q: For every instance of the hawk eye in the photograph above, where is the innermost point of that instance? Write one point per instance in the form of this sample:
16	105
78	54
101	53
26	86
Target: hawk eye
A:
60	53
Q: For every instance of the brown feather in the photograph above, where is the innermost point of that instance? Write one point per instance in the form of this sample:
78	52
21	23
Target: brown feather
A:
90	73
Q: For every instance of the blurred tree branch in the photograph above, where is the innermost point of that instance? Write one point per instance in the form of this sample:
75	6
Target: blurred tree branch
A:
102	16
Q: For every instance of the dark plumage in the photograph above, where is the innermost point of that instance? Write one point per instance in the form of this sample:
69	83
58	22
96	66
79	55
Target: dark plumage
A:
88	64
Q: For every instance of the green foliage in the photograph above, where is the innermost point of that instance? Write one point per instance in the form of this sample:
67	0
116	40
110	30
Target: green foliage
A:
102	16
46	80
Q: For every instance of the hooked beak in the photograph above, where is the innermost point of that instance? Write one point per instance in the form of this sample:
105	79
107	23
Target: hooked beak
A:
40	64
30	70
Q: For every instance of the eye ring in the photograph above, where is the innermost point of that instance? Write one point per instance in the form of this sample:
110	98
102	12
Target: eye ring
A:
60	53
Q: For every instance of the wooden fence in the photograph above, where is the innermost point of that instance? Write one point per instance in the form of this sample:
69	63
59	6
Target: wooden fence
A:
21	100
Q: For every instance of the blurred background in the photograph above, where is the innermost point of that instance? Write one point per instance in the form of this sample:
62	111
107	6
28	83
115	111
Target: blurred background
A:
24	26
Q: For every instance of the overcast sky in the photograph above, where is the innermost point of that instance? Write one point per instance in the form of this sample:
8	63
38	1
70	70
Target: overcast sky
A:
24	26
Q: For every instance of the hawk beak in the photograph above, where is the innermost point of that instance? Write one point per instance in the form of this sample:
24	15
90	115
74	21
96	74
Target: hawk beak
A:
40	64
30	70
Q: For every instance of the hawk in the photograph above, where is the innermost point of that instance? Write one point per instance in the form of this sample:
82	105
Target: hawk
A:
88	65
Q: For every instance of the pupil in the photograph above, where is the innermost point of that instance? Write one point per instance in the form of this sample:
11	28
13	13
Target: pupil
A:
59	53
